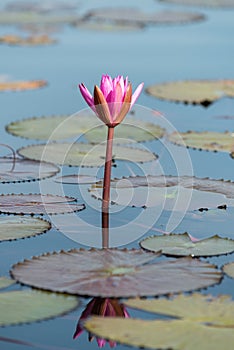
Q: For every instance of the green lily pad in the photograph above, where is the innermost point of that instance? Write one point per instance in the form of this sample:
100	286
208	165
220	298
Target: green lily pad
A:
30	306
214	311
26	17
132	15
65	126
80	154
205	3
22	170
181	245
126	133
40	6
12	228
53	127
203	322
183	193
105	26
75	179
21	85
41	204
202	92
114	273
207	140
6	282
229	269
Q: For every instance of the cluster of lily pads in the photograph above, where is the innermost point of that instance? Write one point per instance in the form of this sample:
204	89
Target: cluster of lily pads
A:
46	17
117	273
109	273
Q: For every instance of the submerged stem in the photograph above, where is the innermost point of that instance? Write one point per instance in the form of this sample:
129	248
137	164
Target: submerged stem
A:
13	153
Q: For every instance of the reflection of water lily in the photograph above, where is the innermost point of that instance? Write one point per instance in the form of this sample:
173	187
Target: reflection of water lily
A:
102	307
112	101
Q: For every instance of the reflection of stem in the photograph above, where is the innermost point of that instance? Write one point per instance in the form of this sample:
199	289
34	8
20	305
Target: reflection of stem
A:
105	229
13	153
106	189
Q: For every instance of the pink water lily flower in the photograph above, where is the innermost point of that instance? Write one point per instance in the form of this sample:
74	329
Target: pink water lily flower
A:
105	307
112	100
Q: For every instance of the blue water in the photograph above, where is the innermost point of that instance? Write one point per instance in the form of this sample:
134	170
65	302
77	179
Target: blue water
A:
203	50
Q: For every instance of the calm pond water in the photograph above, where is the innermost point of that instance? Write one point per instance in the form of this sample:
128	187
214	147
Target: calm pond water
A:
202	50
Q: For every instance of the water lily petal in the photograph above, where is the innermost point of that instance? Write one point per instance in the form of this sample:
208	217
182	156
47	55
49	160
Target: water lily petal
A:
115	101
87	96
136	93
106	85
101	106
125	106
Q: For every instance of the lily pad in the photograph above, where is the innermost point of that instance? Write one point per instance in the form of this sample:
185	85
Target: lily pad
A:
12	228
40	6
22	85
6	282
30	306
205	3
126	133
26	17
80	154
65	126
31	204
202	92
114	273
207	140
229	269
53	127
183	193
202	322
181	245
29	41
214	311
132	15
75	179
105	26
22	170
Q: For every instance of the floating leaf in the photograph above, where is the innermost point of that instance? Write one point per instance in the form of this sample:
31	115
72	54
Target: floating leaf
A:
65	126
53	127
203	322
114	273
169	192
229	269
40	6
22	85
21	227
202	92
26	17
206	3
29	41
181	245
125	133
206	140
30	204
131	15
80	154
105	26
29	306
6	282
196	307
76	179
21	170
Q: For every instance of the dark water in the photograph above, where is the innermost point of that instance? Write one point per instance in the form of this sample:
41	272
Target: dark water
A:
203	50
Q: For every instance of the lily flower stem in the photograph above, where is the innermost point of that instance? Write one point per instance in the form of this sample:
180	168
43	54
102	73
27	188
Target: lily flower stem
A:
107	171
106	189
